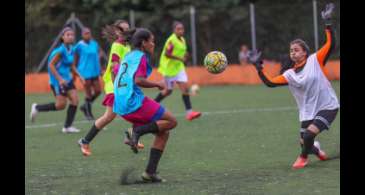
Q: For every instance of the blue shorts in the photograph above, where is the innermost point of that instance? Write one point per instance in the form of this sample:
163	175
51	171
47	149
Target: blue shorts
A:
62	90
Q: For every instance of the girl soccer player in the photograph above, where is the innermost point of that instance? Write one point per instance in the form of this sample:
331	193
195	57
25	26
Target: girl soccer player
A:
146	115
173	57
59	70
316	100
119	48
87	60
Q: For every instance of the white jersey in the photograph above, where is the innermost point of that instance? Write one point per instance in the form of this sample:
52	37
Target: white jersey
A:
311	89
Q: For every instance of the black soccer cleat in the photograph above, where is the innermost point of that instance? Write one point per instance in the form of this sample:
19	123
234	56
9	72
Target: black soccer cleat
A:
133	139
152	178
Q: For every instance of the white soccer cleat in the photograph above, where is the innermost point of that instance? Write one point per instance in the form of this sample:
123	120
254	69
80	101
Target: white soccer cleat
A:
70	130
33	112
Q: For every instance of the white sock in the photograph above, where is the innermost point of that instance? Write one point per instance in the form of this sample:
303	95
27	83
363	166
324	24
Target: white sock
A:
188	111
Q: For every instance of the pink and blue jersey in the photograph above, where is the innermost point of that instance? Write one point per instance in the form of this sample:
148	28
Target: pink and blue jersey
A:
88	63
128	96
63	66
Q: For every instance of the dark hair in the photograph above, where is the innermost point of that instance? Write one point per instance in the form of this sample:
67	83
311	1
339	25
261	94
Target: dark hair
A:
136	36
302	43
85	29
64	30
109	31
175	23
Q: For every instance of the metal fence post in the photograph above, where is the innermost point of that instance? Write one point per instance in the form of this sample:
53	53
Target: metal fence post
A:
253	26
131	18
193	34
315	23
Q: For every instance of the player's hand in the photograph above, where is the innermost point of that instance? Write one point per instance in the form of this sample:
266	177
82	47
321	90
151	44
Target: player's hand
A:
327	13
254	57
161	86
62	82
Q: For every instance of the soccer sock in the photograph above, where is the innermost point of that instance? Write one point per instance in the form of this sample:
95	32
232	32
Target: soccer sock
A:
94	97
314	150
308	138
155	156
46	107
71	112
159	97
144	129
187	103
91	134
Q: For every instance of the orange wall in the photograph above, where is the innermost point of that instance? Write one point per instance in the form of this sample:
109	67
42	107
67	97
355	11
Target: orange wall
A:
234	74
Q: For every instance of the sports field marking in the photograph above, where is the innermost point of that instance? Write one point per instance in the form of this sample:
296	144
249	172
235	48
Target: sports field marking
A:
244	110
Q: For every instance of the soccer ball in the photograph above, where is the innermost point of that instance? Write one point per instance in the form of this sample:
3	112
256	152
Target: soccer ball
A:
215	62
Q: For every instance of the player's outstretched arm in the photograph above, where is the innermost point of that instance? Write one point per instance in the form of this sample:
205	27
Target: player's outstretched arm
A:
255	59
324	53
143	82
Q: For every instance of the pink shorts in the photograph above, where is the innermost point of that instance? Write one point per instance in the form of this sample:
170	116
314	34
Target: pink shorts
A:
149	111
108	100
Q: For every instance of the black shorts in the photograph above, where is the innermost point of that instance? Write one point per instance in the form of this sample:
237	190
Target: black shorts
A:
322	120
92	79
62	90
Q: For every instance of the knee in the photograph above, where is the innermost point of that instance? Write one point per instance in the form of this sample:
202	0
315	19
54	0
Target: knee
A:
173	123
60	105
97	92
75	101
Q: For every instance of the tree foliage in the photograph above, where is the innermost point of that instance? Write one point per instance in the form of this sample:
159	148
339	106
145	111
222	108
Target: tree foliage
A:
220	24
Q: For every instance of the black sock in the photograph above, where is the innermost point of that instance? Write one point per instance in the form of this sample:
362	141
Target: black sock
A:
88	103
144	129
314	150
91	134
308	138
46	107
159	97
94	97
71	112
155	156
187	103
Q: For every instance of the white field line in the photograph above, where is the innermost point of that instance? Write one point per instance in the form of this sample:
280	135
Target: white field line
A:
244	110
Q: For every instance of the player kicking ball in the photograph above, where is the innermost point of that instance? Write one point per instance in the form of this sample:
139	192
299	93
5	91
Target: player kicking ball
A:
146	115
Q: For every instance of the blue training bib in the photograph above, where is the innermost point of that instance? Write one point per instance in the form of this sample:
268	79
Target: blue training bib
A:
88	63
63	66
128	97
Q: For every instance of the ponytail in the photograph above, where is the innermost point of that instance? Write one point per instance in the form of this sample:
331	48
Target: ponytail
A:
109	32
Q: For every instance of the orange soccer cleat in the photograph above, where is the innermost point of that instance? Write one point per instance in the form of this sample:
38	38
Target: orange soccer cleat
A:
301	162
322	155
193	115
85	148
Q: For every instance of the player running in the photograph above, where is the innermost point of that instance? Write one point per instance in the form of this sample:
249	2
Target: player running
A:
146	115
87	59
316	100
173	57
119	48
62	85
